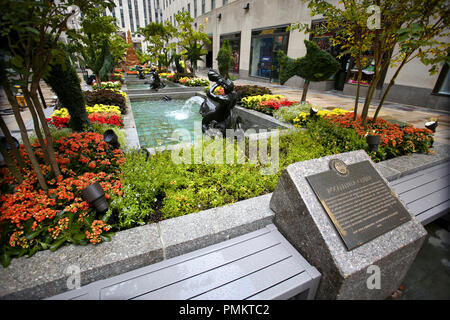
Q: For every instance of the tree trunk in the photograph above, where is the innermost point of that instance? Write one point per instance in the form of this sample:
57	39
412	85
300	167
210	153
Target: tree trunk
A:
23	132
37	127
391	84
51	150
10	141
305	91
358	88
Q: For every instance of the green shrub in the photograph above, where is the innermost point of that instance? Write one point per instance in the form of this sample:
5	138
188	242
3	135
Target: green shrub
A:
224	59
288	114
335	139
160	189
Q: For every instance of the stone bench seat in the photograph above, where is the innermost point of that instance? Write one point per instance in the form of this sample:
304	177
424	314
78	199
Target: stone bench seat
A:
426	193
258	265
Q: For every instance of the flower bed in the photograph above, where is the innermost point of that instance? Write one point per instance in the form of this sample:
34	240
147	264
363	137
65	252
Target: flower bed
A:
108	97
395	140
33	220
99	113
193	82
267	103
168	75
107	85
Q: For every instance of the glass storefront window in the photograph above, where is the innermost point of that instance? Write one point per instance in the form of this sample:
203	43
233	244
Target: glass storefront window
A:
235	46
264	49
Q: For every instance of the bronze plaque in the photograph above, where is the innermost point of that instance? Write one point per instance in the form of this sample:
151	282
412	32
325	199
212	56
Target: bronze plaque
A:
358	201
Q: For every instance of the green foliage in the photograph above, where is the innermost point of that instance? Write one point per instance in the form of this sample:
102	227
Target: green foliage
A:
160	189
224	59
64	81
335	139
316	65
288	114
191	40
94	42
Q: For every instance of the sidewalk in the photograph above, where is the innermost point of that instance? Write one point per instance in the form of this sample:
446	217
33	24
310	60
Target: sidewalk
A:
417	116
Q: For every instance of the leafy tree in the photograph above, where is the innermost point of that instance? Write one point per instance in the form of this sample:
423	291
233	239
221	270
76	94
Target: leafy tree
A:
159	36
224	59
192	41
118	47
64	81
409	29
94	42
316	65
143	57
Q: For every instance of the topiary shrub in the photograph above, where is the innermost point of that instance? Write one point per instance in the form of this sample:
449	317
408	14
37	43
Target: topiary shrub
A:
224	59
316	65
64	81
105	96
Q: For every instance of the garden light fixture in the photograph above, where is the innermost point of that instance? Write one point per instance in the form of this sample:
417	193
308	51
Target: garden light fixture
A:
313	111
431	125
95	195
110	137
373	141
246	6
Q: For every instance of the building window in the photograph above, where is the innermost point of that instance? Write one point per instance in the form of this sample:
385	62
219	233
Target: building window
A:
130	15
443	82
203	6
195	8
136	13
189	8
263	55
225	2
213	4
121	14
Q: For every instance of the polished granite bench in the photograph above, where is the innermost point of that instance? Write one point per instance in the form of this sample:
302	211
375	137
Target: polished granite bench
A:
260	265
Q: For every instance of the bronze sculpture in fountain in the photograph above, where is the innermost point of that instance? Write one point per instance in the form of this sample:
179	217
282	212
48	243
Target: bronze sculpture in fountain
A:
218	110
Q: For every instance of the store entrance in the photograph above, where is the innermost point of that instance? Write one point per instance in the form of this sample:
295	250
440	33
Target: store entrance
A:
264	52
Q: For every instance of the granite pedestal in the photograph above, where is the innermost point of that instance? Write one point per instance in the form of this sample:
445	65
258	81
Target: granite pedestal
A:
301	218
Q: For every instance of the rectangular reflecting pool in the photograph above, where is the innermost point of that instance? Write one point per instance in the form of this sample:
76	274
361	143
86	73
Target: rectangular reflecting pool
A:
156	120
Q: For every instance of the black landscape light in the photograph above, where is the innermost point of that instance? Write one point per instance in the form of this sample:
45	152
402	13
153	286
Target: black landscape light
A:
7	147
373	141
110	137
95	195
431	125
313	111
145	152
5	143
